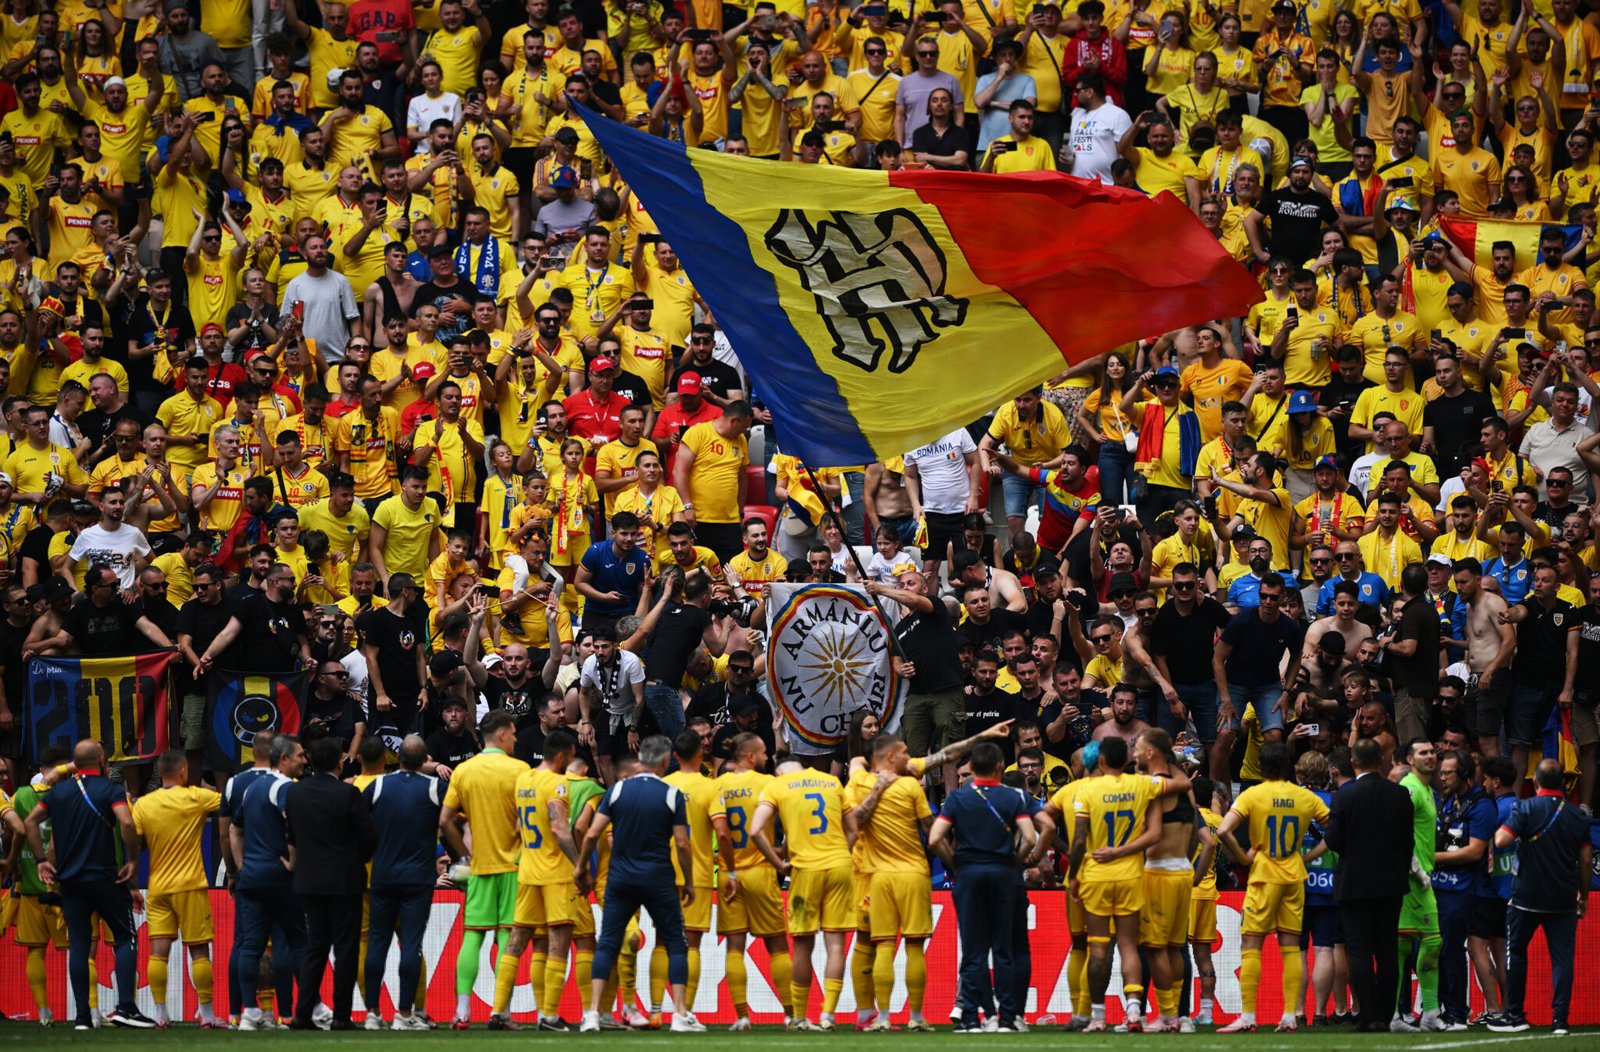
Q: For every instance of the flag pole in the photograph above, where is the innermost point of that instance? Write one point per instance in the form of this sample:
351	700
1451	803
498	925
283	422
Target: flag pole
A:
861	571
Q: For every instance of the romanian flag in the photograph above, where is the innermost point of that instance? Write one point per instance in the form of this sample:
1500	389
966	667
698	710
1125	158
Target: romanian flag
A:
239	705
120	702
877	310
1476	237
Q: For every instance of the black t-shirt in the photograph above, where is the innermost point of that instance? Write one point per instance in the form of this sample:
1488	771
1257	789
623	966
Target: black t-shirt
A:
1542	643
520	702
1077	562
928	641
677	635
203	622
141	328
1554	517
714	704
396	639
337	716
1588	651
100	428
104	631
453	749
927	139
1417	675
1335	391
269	640
1457	422
1259	647
441	297
1041	617
1297	217
717	377
1187	642
36	546
989	635
165	617
633	389
986	710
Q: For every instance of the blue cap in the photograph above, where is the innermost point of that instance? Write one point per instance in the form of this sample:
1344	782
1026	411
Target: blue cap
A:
236	197
1433	238
1301	402
1165	370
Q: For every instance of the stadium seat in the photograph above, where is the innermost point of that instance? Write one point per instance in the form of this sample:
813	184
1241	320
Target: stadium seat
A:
755	480
766	513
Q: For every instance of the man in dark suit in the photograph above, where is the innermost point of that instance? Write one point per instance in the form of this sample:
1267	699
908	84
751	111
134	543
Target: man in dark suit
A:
1370	828
331	836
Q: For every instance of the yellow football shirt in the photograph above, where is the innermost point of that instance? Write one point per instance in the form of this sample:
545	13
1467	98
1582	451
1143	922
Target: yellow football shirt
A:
703	804
170	820
714	477
810	804
484	789
741	790
893	839
542	861
405	548
1278	815
1115	806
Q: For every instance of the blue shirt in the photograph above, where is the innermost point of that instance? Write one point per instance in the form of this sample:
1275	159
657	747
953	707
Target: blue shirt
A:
266	841
1503	863
1461	820
996	123
1371	590
1515	580
609	572
405	810
643	810
1245	592
1319	871
1550	832
985	820
233	792
83	829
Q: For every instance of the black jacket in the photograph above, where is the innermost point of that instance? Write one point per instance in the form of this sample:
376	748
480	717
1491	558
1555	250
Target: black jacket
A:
1370	828
331	831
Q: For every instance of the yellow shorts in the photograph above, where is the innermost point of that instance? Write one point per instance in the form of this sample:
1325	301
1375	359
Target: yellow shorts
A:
1273	907
757	909
697	915
40	925
902	904
583	918
822	899
862	896
1075	921
1112	898
1202	920
1165	918
188	912
545	905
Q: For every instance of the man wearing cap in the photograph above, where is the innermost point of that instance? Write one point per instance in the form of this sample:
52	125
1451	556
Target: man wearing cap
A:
690	409
1297	214
595	413
1284	56
720	383
562	220
1330	513
1169	440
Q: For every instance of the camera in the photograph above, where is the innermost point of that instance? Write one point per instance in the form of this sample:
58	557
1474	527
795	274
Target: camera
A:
738	609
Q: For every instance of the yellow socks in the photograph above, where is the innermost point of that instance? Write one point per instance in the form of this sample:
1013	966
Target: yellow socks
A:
658	977
156	966
782	972
861	961
883	973
738	980
608	998
1292	965
916	977
36	977
537	962
583	972
831	989
200	971
800	998
555	981
628	971
693	985
1078	978
1250	979
505	977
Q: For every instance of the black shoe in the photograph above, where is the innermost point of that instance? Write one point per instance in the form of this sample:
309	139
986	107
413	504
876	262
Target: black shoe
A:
1509	1024
132	1018
301	1024
343	1024
83	1024
556	1025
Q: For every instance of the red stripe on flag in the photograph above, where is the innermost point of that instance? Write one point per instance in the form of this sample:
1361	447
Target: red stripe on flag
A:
1095	266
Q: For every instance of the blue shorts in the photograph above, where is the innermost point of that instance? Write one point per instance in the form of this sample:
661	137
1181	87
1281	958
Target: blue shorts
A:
1321	927
1528	711
1020	495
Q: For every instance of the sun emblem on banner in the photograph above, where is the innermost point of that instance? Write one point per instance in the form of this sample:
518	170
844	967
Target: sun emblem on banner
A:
840	666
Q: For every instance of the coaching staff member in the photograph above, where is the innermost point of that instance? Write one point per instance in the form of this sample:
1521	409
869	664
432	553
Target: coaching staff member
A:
1370	828
649	821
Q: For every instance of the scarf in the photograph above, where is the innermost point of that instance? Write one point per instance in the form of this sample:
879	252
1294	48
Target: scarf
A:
487	278
569	511
1153	434
295	122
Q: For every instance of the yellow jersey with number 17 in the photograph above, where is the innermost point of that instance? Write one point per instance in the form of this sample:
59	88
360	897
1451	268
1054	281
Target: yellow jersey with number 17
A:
1115	805
741	790
703	804
1279	814
811	806
542	861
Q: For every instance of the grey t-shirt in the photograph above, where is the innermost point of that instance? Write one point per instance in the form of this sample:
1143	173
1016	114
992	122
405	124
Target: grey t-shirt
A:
558	215
913	95
330	304
184	59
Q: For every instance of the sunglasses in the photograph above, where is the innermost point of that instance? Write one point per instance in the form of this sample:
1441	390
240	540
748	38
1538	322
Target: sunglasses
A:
1100	639
1323	562
874	51
927	54
1182	586
1120	595
1342	556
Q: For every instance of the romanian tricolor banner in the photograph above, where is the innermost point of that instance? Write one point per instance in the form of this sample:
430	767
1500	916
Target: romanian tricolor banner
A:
239	705
121	702
1476	237
877	310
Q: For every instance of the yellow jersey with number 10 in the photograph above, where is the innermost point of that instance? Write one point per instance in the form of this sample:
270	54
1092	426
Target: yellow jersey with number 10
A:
1279	814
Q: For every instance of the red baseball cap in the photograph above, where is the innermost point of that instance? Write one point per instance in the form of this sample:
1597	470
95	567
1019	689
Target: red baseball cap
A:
422	371
689	384
602	365
211	326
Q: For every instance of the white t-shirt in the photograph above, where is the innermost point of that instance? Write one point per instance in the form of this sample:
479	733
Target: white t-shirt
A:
1448	491
942	470
423	111
612	681
1361	471
1094	138
116	548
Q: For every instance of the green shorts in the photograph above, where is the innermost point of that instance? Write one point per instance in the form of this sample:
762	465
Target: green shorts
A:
491	901
1419	912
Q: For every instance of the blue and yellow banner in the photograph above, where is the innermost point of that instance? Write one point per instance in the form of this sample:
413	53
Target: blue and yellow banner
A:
240	705
877	310
121	702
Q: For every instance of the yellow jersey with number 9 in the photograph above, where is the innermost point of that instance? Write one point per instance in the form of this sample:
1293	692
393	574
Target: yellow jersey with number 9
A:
1115	805
1279	814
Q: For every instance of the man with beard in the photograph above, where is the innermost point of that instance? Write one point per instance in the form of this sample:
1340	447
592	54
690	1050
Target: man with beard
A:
331	708
986	704
329	302
1125	722
455	741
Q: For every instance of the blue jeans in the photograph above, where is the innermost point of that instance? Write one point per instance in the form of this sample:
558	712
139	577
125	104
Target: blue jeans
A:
258	913
1560	936
1020	495
666	705
660	899
1200	699
80	901
1454	909
1116	468
1264	698
985	898
409	907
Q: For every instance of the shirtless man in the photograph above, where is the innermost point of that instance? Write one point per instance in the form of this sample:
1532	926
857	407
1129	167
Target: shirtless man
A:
1125	722
1343	621
886	502
391	294
1139	668
1005	591
1372	721
1168	880
1490	645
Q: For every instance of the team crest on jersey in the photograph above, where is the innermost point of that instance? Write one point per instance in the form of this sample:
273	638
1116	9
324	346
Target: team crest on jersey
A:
1557	618
631	568
408	639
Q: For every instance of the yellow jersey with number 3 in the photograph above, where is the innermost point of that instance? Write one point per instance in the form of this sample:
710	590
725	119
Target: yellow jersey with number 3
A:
1279	814
811	806
703	806
1115	805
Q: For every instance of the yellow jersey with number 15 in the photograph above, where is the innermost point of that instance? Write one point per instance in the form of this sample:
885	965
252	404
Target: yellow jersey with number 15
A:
1279	814
542	861
1115	805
